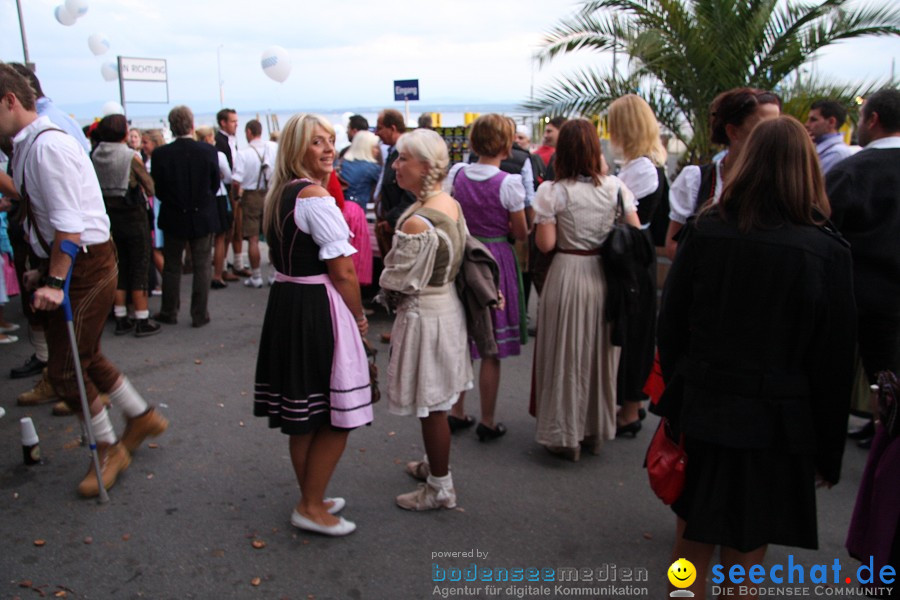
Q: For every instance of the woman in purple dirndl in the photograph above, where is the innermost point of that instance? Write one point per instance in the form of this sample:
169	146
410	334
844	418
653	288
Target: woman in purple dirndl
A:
493	203
312	377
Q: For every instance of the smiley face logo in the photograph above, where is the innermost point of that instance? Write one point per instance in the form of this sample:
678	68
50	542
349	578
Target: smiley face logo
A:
682	573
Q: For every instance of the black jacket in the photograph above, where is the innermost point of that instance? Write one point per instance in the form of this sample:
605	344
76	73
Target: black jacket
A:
757	334
394	200
864	191
186	174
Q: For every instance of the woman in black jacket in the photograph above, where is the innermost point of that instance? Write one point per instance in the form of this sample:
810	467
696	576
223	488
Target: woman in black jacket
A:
756	342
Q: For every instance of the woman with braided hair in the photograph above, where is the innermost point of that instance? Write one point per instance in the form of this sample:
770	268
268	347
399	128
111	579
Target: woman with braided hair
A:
429	366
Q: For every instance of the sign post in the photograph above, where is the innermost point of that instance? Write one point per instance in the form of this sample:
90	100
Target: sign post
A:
406	90
153	70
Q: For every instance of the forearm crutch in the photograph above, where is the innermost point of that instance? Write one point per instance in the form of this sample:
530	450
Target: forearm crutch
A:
70	248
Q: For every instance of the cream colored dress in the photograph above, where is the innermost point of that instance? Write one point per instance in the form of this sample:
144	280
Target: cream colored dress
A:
575	364
429	364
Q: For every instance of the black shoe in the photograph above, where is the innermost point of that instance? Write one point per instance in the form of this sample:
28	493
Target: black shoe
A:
146	328
486	434
457	424
163	318
32	366
218	284
124	325
865	443
630	429
866	431
642	414
201	322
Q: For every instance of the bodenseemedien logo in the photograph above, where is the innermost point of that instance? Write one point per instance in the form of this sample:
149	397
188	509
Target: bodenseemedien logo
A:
682	575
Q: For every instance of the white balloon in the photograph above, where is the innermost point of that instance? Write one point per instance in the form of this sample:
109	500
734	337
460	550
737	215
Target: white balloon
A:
98	44
112	108
110	71
78	8
64	17
276	63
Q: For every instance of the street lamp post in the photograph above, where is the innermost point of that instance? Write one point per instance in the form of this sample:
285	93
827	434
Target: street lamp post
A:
221	83
22	31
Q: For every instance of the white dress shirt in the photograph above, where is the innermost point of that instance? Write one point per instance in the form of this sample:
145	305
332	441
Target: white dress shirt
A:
61	184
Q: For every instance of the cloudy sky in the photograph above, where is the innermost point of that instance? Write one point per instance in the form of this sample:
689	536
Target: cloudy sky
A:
344	53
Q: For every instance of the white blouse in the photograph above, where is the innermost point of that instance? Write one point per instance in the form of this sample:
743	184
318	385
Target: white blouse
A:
683	193
320	217
410	263
640	176
551	199
512	190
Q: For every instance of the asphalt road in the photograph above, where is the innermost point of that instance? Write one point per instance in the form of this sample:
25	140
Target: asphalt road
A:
182	519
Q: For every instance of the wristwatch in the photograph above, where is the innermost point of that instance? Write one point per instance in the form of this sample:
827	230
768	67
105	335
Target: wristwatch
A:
57	283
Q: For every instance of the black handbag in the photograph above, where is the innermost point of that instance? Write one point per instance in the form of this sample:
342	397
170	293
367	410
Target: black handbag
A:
624	254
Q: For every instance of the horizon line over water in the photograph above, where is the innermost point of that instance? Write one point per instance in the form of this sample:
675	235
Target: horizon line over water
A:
451	114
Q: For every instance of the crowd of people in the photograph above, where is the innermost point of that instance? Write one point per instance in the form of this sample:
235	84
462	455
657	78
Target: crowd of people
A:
784	281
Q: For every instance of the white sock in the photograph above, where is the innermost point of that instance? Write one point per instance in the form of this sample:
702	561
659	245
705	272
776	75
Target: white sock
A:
40	345
120	311
128	400
257	273
444	483
238	261
142	314
103	428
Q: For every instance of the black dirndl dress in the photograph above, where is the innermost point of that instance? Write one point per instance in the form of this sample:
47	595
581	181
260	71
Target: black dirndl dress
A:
293	368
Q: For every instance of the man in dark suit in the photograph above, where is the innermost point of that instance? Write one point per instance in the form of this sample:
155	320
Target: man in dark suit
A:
186	174
391	200
864	191
226	143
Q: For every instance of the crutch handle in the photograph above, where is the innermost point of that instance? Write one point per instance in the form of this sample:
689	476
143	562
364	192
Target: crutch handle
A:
71	248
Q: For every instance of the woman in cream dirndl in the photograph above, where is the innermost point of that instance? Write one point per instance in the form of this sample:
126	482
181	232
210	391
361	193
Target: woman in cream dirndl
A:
575	362
429	365
312	378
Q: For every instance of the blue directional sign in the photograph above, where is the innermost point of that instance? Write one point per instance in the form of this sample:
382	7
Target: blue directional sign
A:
406	89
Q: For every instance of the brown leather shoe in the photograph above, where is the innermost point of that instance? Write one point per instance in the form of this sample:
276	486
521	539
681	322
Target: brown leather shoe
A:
61	409
114	459
41	393
137	429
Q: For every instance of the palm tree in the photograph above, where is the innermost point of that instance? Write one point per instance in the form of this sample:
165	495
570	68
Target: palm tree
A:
684	52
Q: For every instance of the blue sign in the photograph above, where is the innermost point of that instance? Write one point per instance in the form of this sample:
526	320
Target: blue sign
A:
406	89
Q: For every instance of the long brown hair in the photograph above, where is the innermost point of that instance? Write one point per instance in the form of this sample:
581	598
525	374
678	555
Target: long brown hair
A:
777	180
578	151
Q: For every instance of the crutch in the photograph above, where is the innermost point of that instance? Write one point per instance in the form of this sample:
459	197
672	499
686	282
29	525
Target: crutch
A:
70	248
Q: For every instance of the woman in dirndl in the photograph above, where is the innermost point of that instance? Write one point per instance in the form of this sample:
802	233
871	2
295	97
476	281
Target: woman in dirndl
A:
429	366
312	377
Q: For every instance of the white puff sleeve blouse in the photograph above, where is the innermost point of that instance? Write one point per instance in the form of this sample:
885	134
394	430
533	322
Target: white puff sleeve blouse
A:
320	217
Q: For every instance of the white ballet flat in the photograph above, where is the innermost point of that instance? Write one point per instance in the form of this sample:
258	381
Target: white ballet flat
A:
343	526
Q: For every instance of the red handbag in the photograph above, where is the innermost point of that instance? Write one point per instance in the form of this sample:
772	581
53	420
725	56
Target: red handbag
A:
666	462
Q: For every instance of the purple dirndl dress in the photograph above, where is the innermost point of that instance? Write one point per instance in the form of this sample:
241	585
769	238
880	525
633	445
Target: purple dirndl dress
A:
488	221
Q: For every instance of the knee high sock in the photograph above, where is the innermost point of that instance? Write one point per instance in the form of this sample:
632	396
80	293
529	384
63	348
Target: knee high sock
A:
126	398
103	427
39	340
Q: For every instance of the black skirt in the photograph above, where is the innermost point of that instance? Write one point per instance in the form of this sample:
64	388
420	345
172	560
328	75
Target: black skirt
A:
744	499
293	368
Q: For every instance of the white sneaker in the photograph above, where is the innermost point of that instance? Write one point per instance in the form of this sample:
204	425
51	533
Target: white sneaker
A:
427	498
418	469
271	279
254	282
